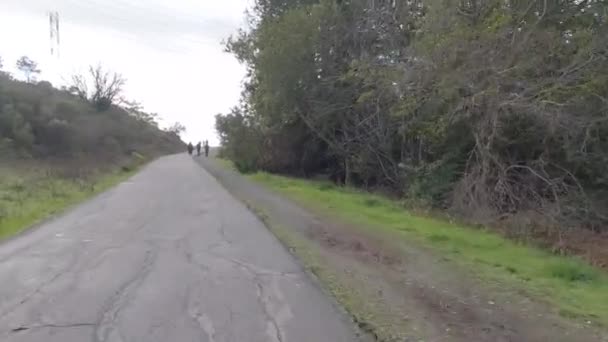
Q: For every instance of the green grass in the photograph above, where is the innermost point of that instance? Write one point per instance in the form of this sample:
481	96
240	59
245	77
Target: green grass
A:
26	198
572	286
225	163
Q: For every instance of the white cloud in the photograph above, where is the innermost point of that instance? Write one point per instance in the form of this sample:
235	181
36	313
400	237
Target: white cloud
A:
169	51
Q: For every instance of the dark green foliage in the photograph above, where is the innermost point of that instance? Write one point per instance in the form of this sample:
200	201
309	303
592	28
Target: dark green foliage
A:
573	272
39	121
240	138
490	108
28	67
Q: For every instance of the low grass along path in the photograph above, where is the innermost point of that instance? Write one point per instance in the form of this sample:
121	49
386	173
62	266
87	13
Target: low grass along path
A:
28	196
578	289
496	289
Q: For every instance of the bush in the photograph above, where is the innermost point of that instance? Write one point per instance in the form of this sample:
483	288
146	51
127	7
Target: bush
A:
44	122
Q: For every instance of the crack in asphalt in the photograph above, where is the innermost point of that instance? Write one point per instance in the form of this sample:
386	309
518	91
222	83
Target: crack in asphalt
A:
40	287
274	325
182	246
72	265
191	307
122	297
205	325
223	234
53	326
263	300
258	271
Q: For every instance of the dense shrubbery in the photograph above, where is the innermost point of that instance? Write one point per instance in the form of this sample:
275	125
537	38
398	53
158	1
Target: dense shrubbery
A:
41	122
494	109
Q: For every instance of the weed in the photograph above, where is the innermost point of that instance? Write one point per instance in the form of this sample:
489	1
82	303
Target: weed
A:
438	238
325	186
17	186
3	212
371	202
572	272
568	314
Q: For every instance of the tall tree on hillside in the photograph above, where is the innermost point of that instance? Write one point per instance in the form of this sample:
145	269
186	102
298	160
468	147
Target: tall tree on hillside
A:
107	87
177	128
101	87
28	67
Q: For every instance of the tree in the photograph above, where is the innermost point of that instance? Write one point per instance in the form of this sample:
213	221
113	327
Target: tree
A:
79	87
107	87
28	67
491	108
177	129
3	73
101	87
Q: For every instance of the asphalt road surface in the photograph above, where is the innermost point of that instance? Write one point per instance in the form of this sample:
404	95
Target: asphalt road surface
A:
167	256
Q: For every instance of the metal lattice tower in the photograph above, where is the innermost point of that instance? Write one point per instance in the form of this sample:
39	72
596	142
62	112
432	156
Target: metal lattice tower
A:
54	32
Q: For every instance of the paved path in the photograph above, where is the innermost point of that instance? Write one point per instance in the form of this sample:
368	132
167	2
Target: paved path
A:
167	256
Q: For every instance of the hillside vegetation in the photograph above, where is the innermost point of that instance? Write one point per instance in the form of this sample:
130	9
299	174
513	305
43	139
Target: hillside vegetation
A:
496	111
40	122
60	146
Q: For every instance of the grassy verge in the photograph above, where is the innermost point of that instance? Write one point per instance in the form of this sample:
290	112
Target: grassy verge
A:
27	197
575	288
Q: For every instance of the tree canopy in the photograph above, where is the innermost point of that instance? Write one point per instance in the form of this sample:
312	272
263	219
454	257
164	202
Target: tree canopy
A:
28	67
101	87
489	108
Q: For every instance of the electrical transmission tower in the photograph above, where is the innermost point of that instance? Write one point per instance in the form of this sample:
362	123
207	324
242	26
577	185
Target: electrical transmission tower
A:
54	32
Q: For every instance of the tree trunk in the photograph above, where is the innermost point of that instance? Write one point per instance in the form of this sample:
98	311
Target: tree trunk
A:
347	175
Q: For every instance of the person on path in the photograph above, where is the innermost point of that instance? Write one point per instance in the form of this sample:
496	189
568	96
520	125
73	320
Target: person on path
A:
206	148
198	149
190	148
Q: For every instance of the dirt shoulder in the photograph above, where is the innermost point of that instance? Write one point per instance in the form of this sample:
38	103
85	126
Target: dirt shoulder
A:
401	292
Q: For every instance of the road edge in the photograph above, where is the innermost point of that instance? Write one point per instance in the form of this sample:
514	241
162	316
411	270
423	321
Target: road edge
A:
32	228
363	334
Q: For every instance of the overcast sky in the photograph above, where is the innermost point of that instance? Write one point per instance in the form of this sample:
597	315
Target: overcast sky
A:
168	50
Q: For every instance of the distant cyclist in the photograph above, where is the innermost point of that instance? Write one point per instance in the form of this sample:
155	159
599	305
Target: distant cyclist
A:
206	148
198	149
190	148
